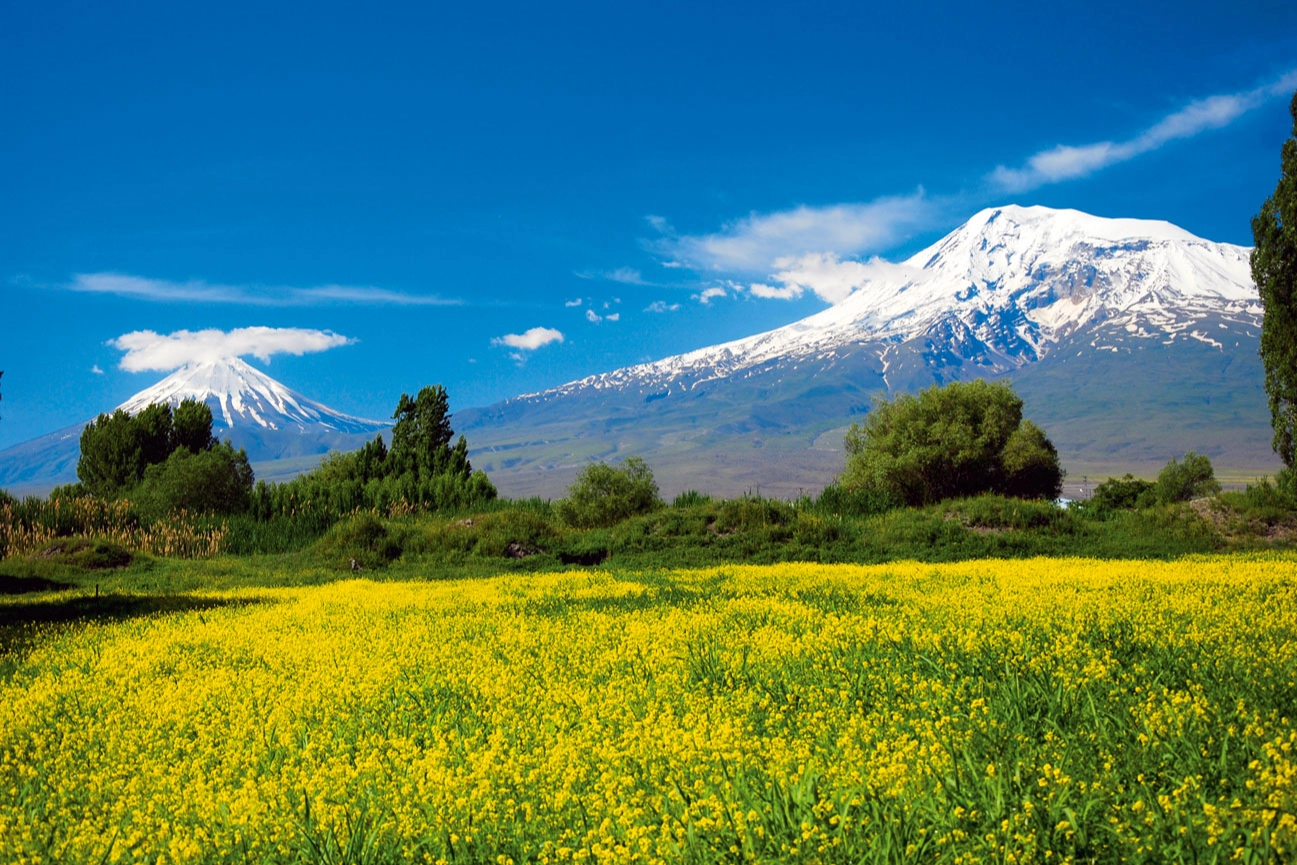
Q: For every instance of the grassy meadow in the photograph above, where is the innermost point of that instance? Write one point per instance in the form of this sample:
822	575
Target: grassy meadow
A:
1009	710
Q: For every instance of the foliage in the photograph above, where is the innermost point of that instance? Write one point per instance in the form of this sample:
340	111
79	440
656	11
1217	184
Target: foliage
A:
422	471
976	712
217	481
1274	270
1124	493
959	439
604	495
116	449
1182	480
1030	464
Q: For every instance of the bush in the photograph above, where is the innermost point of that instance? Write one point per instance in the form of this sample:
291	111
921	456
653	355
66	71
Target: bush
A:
1182	480
837	499
951	441
362	538
1030	463
216	481
1123	494
602	496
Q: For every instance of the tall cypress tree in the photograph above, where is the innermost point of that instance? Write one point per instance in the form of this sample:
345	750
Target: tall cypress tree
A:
1274	269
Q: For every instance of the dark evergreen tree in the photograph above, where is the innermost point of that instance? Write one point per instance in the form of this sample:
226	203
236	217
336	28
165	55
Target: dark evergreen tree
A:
422	435
1274	269
192	426
117	449
111	457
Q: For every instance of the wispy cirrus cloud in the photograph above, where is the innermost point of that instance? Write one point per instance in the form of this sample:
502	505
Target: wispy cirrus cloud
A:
624	275
148	350
661	306
200	291
1069	162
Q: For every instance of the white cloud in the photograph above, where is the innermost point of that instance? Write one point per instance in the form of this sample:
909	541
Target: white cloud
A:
96	370
198	291
661	306
592	316
147	350
1067	162
613	316
529	340
708	294
753	244
828	277
572	303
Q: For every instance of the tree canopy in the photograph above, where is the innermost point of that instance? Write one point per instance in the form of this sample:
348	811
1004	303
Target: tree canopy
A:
960	439
118	448
1274	270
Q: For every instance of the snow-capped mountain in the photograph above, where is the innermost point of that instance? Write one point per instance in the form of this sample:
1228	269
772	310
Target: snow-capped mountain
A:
1131	340
274	423
1000	292
241	396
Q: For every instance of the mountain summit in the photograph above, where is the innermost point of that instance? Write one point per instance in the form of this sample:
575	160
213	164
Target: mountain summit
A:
1132	340
241	396
275	424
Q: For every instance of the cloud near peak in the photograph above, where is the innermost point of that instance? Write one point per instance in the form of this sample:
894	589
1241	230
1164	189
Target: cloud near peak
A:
147	350
754	244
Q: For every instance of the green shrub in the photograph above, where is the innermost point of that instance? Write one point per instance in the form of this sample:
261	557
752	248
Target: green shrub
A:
960	439
1030	464
861	502
362	538
92	554
604	495
1123	494
216	481
1182	480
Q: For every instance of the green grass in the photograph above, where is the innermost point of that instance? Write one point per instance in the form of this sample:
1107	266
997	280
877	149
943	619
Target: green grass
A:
528	537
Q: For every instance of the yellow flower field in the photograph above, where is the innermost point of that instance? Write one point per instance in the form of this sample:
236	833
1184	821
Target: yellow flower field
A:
992	711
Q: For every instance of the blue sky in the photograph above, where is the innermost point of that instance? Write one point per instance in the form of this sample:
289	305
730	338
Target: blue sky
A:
437	186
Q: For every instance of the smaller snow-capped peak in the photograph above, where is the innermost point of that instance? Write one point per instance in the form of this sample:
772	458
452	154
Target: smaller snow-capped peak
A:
241	396
1004	289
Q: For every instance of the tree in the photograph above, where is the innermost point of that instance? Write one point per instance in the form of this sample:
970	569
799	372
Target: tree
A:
1274	270
422	434
111	457
116	449
961	439
192	424
1030	463
604	495
1182	480
216	480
